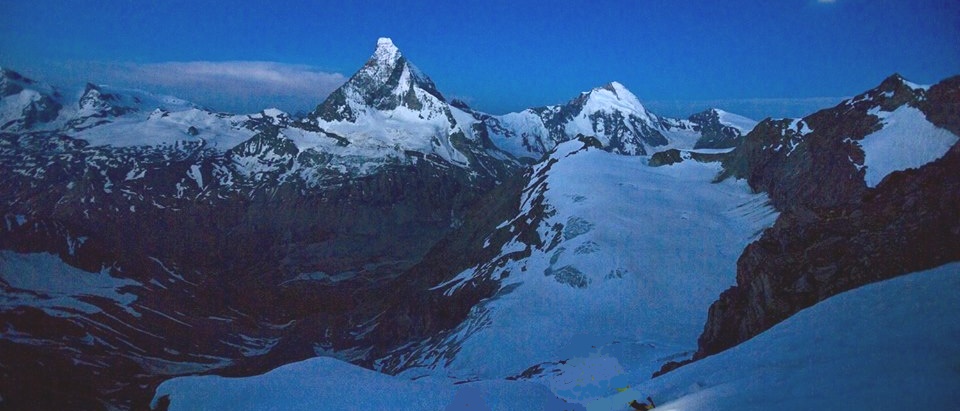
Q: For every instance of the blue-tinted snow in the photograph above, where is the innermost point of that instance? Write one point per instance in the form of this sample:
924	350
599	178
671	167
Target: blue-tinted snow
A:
886	346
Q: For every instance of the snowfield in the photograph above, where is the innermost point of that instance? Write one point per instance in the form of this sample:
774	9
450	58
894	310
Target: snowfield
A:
886	346
585	322
907	140
604	308
745	125
325	383
889	345
642	254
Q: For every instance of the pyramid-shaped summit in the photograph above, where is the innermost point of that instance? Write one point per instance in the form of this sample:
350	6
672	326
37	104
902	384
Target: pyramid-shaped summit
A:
387	81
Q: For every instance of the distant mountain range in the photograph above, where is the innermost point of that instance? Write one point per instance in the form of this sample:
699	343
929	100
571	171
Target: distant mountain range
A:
146	238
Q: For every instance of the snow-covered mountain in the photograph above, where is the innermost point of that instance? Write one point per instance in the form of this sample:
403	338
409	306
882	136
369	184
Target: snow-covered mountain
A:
589	305
104	115
385	83
389	100
402	232
617	119
389	107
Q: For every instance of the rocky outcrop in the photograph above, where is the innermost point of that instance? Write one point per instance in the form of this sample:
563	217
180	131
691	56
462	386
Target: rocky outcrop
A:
834	233
910	222
674	156
30	103
941	104
714	133
815	162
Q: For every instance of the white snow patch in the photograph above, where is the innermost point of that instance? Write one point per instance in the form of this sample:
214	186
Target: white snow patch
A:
44	281
195	174
745	125
907	140
916	86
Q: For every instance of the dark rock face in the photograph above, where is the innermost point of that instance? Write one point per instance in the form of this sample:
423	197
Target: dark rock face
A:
429	312
335	108
9	82
834	233
714	134
814	162
910	222
802	170
941	104
674	156
41	108
665	158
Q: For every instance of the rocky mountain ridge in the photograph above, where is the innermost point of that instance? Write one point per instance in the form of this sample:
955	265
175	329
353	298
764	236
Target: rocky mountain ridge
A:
837	232
379	228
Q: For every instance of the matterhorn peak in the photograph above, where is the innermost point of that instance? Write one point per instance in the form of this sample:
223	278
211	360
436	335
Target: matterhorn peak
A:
386	54
386	44
385	82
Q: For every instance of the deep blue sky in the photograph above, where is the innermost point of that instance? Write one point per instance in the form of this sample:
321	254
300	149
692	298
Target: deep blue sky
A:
759	58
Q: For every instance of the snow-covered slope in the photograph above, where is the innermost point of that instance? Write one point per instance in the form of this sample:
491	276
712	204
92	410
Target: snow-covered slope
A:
328	384
741	123
885	346
907	140
629	258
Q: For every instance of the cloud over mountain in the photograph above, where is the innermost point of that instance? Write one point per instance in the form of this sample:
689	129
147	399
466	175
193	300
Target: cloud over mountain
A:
240	86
